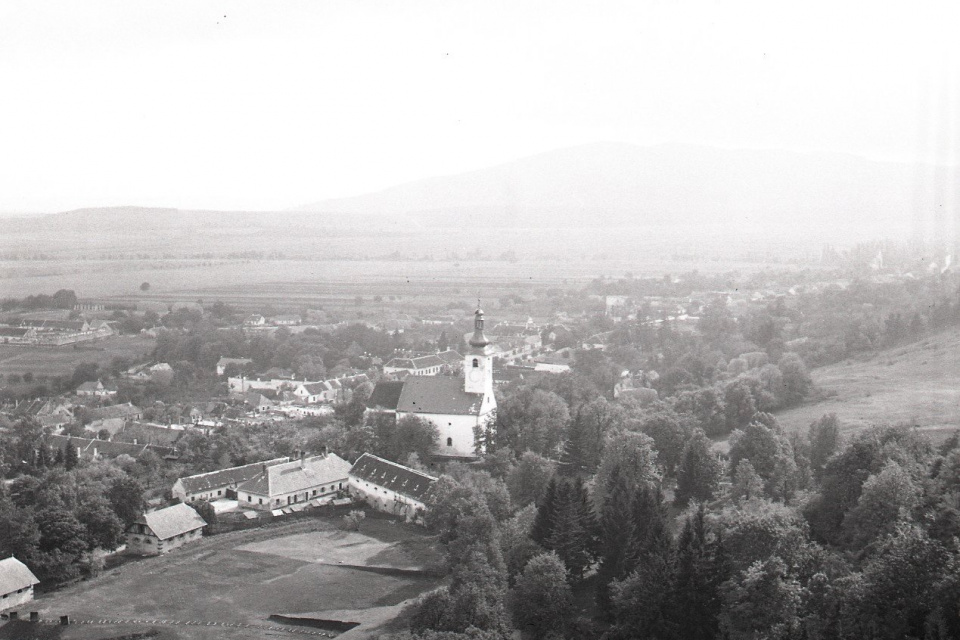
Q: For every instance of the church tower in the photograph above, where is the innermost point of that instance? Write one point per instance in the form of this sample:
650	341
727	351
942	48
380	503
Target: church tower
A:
478	363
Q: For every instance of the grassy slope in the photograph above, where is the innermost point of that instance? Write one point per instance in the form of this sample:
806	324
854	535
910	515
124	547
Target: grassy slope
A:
917	384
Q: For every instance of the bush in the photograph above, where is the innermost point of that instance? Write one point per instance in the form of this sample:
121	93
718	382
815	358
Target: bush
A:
351	521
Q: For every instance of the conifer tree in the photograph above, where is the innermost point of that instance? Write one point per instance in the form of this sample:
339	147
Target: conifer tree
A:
696	599
546	509
651	535
616	528
70	457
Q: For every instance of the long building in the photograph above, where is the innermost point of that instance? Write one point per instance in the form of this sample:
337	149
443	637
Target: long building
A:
298	481
219	484
390	487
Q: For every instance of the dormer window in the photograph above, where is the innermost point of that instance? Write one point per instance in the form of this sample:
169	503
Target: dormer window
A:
476	363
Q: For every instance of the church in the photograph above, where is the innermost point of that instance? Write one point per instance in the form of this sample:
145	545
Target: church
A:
463	409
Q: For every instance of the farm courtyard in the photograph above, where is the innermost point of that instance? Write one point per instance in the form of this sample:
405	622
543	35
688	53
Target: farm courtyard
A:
309	568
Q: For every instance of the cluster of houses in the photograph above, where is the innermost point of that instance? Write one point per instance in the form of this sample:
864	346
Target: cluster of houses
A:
53	332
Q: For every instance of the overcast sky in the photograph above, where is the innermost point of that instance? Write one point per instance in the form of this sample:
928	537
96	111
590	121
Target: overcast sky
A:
265	105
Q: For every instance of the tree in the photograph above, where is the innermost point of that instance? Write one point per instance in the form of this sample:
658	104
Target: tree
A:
887	498
573	529
409	434
70	456
126	498
616	534
542	599
761	603
145	286
796	380
632	454
668	438
586	433
516	544
698	476
746	483
770	453
642	601
102	527
739	404
532	420
698	579
706	407
716	322
529	478
352	521
896	593
824	441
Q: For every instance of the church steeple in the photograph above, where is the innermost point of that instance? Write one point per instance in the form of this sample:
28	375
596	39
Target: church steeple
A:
478	340
478	362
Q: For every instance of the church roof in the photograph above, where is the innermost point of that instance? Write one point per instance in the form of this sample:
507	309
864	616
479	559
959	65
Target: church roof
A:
438	394
385	395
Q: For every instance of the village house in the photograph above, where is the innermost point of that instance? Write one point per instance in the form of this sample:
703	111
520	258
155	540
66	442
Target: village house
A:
18	335
254	320
97	388
220	484
390	487
301	480
113	418
223	363
16	583
93	449
462	408
420	366
315	392
286	321
163	530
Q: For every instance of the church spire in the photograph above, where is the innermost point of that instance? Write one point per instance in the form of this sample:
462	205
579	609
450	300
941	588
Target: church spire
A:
478	340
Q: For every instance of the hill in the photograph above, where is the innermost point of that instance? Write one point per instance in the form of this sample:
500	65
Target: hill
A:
616	185
917	384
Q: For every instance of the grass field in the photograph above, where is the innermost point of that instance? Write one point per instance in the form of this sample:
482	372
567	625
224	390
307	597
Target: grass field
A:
243	578
916	384
60	361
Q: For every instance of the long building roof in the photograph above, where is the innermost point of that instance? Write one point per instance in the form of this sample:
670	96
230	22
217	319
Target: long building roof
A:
226	477
297	475
392	476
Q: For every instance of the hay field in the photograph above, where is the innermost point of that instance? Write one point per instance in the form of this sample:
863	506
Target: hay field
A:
61	361
244	578
916	384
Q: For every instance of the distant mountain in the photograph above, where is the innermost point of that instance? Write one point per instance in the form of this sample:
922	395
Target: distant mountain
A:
608	184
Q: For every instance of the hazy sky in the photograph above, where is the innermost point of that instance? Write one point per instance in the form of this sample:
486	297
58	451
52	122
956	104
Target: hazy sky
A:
263	105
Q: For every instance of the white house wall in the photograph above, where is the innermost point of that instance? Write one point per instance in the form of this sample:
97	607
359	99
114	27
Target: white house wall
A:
16	598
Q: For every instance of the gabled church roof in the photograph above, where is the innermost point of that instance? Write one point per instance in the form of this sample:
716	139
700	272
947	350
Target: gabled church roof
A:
385	395
438	394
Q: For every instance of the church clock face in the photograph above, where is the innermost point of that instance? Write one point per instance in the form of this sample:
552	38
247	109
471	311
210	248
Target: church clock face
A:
475	375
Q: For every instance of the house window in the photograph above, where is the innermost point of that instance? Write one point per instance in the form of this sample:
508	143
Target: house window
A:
219	492
322	490
249	498
449	442
261	500
341	485
476	363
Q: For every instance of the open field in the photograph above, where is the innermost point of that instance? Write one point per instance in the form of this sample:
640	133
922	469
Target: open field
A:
916	384
60	361
244	577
